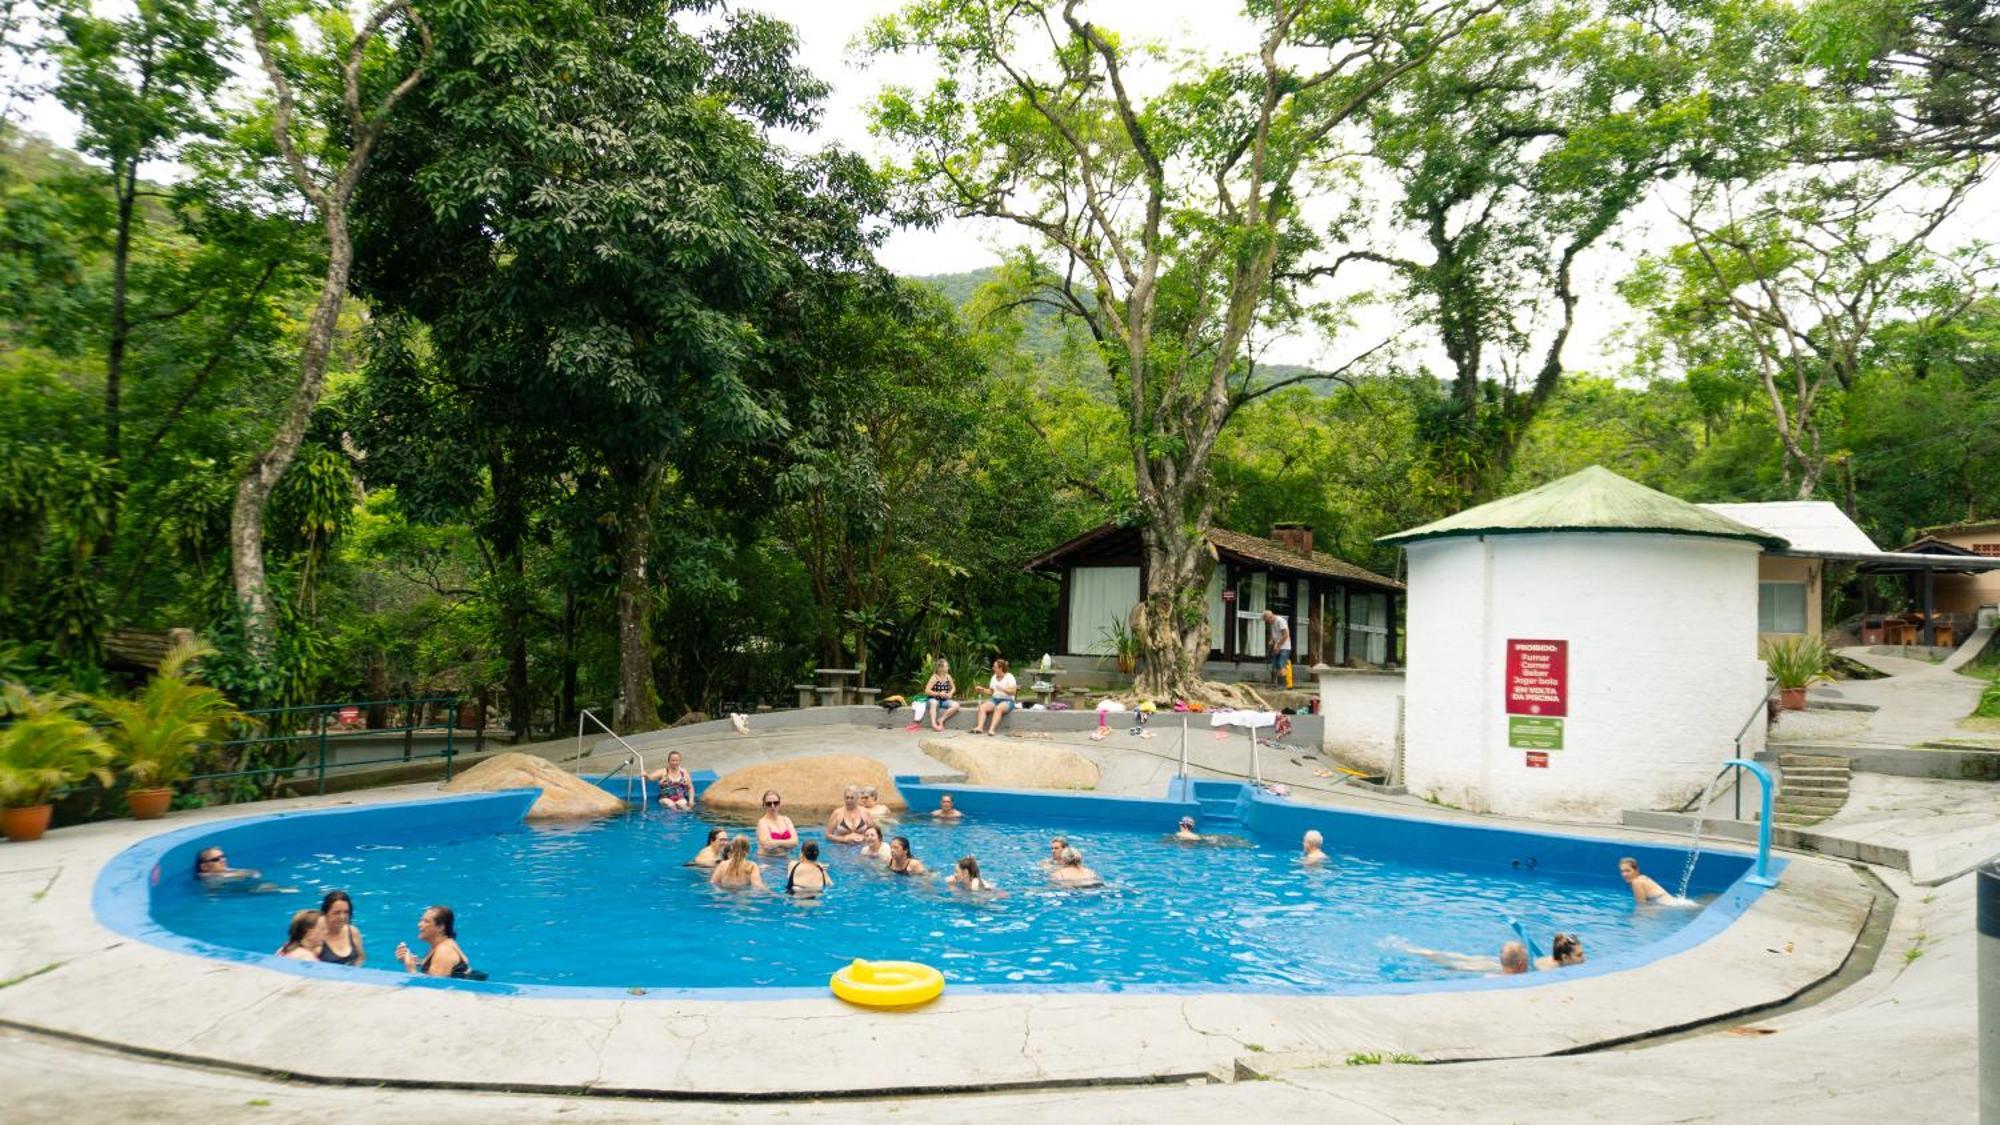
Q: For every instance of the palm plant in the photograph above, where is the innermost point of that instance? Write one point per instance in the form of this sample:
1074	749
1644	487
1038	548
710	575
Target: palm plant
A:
157	731
46	748
1797	662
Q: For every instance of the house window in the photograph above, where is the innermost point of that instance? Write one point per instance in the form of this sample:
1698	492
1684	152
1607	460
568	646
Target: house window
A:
1990	550
1098	597
1781	607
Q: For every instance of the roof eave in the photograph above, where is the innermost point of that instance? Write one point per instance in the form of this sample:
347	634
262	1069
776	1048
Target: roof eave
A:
1404	539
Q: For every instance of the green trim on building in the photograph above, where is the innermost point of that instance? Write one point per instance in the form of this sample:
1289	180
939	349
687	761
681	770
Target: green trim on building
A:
1594	501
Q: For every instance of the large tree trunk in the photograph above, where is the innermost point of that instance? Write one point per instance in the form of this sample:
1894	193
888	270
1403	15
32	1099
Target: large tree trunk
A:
509	529
1171	619
253	492
127	179
635	599
566	705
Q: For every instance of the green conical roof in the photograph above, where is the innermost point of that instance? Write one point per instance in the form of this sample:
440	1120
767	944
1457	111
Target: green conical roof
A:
1594	500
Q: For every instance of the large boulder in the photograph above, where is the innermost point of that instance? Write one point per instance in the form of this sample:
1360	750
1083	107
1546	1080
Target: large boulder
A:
564	796
808	785
1016	765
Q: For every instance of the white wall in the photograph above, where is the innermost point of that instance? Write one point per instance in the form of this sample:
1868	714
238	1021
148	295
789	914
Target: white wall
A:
1663	667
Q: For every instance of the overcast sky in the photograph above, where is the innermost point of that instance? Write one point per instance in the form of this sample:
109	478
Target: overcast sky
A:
828	29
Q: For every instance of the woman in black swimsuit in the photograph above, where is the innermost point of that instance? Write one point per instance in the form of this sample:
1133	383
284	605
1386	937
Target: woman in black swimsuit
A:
901	861
343	940
807	876
437	929
846	824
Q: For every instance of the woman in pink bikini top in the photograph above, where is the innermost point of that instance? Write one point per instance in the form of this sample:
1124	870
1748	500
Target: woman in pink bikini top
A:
775	833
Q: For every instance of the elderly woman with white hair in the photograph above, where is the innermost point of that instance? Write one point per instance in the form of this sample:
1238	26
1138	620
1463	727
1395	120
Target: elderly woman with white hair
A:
846	824
1315	852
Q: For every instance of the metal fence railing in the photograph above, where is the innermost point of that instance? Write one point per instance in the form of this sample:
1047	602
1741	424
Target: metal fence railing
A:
318	731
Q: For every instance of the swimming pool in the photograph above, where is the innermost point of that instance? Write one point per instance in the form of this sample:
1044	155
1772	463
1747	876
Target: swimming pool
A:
608	906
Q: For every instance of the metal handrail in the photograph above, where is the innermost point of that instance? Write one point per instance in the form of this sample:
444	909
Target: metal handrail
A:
632	755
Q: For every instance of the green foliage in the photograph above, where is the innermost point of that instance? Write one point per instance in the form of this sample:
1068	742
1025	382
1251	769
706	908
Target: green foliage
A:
157	732
1797	662
46	747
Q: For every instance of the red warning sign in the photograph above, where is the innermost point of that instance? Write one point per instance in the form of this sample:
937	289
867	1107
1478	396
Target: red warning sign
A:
1538	760
1537	677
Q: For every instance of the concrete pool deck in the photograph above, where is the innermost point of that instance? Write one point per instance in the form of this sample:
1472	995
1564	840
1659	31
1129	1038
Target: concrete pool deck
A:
61	973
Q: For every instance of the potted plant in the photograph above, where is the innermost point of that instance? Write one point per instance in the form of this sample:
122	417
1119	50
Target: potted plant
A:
45	749
156	732
1124	645
1796	663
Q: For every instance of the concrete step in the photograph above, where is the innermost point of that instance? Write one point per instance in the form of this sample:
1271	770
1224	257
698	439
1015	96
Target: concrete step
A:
1825	805
1814	783
1796	820
1793	777
1790	760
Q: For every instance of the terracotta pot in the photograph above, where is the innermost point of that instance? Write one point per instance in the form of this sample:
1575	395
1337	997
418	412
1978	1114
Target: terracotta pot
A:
1794	698
149	804
1126	664
24	824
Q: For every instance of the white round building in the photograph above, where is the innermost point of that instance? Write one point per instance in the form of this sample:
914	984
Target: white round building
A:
1579	649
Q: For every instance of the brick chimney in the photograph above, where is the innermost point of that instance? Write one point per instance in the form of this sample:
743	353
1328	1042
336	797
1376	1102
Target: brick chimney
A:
1294	537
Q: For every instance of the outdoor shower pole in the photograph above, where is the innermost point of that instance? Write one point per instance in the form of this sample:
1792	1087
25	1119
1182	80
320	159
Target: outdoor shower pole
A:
1988	910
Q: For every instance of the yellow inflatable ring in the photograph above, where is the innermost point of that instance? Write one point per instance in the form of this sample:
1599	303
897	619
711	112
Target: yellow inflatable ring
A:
887	984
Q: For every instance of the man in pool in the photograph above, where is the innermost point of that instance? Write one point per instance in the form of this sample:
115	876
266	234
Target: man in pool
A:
1187	834
1072	873
946	810
1513	961
1313	846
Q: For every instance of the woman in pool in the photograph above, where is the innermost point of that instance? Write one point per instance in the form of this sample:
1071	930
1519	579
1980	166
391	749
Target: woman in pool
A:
737	871
343	940
712	852
438	929
1000	692
1313	847
806	875
901	861
846	823
966	877
1072	873
1646	891
305	937
775	833
872	846
676	784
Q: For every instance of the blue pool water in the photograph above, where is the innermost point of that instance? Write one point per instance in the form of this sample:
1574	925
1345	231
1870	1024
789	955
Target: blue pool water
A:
610	905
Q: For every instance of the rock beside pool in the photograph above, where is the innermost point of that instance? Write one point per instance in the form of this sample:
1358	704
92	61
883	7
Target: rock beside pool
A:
808	785
1009	764
564	795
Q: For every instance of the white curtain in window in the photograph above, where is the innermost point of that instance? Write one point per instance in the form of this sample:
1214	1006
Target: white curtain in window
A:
1218	615
1098	596
1781	607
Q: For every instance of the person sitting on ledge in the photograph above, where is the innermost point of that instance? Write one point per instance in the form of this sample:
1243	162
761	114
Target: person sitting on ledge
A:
901	861
1646	891
872	846
211	866
1072	873
966	877
1000	692
438	929
871	800
676	784
807	876
946	810
737	871
1186	834
712	852
1315	853
343	938
776	834
305	937
846	824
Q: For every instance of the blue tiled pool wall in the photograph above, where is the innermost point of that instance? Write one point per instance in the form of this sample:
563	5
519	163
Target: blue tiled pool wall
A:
1280	820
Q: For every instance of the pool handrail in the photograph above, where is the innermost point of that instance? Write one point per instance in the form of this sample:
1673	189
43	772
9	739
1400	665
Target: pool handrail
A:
1762	876
632	755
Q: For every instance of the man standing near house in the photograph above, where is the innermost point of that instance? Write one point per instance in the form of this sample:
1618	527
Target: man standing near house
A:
1278	641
